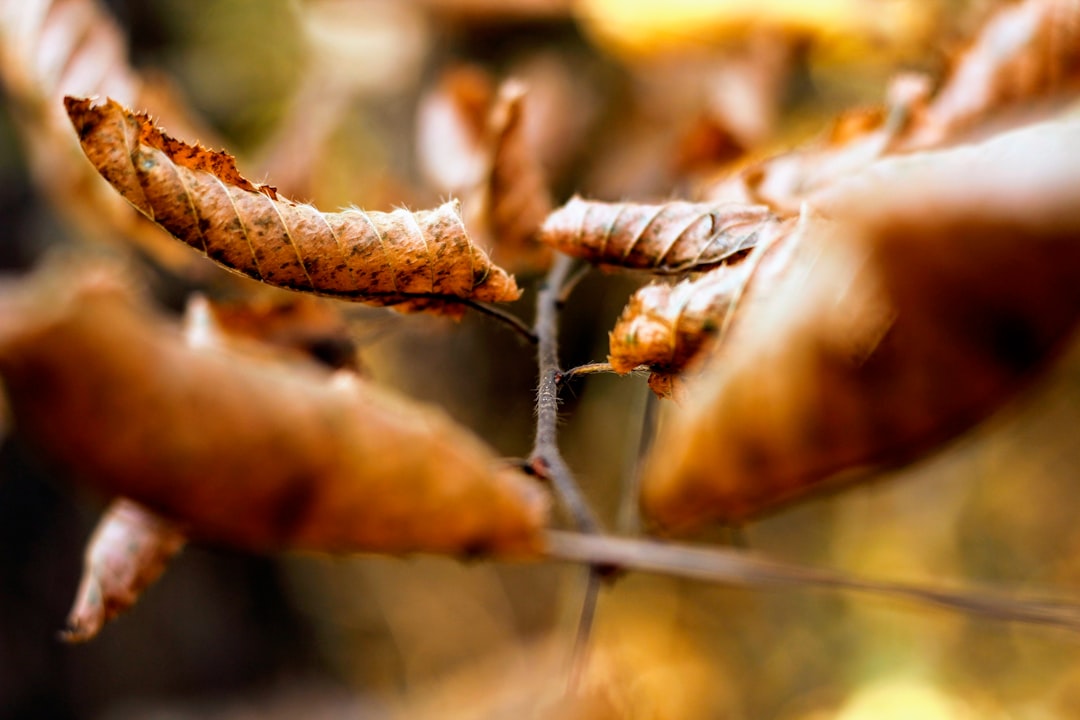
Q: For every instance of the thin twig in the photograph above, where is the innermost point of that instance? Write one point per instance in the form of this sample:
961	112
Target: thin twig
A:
594	368
586	369
509	319
745	569
628	519
580	654
546	461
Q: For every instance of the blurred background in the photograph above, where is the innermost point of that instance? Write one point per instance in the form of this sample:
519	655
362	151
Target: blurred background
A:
366	102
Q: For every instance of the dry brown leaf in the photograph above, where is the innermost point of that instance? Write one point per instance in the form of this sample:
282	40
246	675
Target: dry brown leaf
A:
256	452
451	129
414	261
1023	53
310	326
930	288
49	48
743	97
668	238
1025	56
854	140
513	199
474	140
128	551
664	327
705	144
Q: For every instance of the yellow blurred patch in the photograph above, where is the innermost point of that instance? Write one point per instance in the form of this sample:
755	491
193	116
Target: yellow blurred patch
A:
644	27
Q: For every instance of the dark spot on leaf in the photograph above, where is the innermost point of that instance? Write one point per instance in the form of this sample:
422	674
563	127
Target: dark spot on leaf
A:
292	506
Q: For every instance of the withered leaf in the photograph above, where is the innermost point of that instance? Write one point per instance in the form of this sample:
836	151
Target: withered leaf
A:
1025	57
413	261
664	327
306	325
254	451
667	238
452	128
1024	52
512	199
128	551
49	48
922	293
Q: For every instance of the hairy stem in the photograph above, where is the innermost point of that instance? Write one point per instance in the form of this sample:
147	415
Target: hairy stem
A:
546	461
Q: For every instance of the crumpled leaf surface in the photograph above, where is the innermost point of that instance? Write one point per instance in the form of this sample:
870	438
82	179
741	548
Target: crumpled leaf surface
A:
671	237
664	327
128	551
922	293
244	449
414	261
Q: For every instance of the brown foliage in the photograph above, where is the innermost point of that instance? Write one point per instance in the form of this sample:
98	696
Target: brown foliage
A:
672	237
474	140
49	48
300	323
929	289
1026	51
241	448
414	261
664	327
128	551
512	199
1023	52
451	128
1025	56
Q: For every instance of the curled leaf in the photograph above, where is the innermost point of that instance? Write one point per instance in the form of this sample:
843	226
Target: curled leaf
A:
1024	52
1025	58
665	327
251	450
512	200
127	552
672	237
414	261
920	295
451	128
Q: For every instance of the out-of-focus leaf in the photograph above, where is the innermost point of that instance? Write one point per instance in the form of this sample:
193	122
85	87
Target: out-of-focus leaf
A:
474	141
1025	58
451	129
921	294
1025	52
310	326
631	671
254	451
50	48
742	97
127	552
512	199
